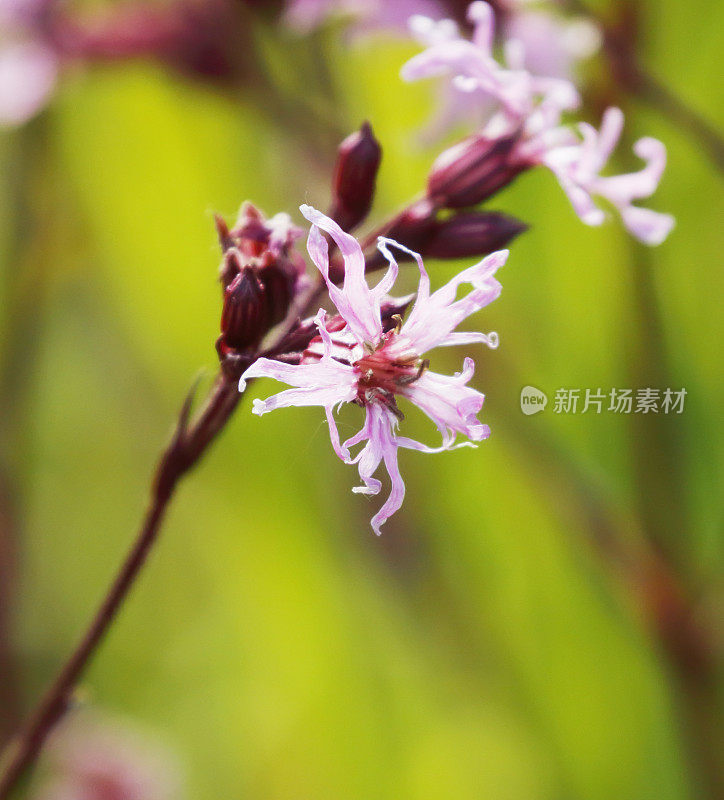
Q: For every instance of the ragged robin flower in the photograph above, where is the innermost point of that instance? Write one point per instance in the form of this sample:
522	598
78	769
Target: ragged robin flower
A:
525	129
362	364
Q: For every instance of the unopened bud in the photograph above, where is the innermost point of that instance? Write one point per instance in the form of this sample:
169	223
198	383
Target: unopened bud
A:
261	251
472	233
222	231
355	173
279	287
473	170
413	227
467	233
231	264
245	317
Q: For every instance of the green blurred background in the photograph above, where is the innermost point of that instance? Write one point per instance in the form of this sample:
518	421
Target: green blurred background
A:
503	639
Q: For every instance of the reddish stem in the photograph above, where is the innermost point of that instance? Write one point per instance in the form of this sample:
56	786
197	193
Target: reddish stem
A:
184	451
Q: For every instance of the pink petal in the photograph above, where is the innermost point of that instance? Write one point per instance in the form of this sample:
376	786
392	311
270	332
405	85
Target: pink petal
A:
541	35
339	449
470	337
368	459
28	72
456	56
380	424
327	397
326	372
411	444
423	288
428	31
450	404
397	492
480	15
621	189
610	133
434	318
324	383
355	302
588	212
650	227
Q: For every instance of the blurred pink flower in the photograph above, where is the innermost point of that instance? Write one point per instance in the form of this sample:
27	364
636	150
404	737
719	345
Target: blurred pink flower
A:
578	166
365	15
521	98
552	44
530	109
28	60
91	757
361	364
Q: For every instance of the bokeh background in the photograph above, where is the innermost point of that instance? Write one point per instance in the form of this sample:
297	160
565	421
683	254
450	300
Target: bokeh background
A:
542	619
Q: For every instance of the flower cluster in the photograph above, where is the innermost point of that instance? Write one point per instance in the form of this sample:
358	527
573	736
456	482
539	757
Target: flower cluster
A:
525	112
355	360
260	274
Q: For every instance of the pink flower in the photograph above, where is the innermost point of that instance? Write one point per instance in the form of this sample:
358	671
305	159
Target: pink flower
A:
28	73
94	757
521	96
552	44
362	364
28	60
367	15
578	166
530	109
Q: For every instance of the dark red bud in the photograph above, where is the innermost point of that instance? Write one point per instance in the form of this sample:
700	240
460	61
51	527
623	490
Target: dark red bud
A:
208	40
413	228
222	231
279	286
245	318
473	170
231	265
472	233
467	233
355	173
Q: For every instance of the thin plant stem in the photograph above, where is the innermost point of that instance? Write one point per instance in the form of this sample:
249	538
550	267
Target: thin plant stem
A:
188	444
182	453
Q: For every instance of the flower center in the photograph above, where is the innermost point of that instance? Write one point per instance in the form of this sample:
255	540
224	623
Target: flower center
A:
385	370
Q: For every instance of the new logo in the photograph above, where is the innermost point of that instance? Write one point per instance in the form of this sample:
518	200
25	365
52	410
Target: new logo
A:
532	400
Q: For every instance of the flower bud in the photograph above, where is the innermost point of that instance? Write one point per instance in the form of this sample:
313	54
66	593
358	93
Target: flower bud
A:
413	228
472	233
245	316
467	233
280	286
222	231
260	274
353	183
473	170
